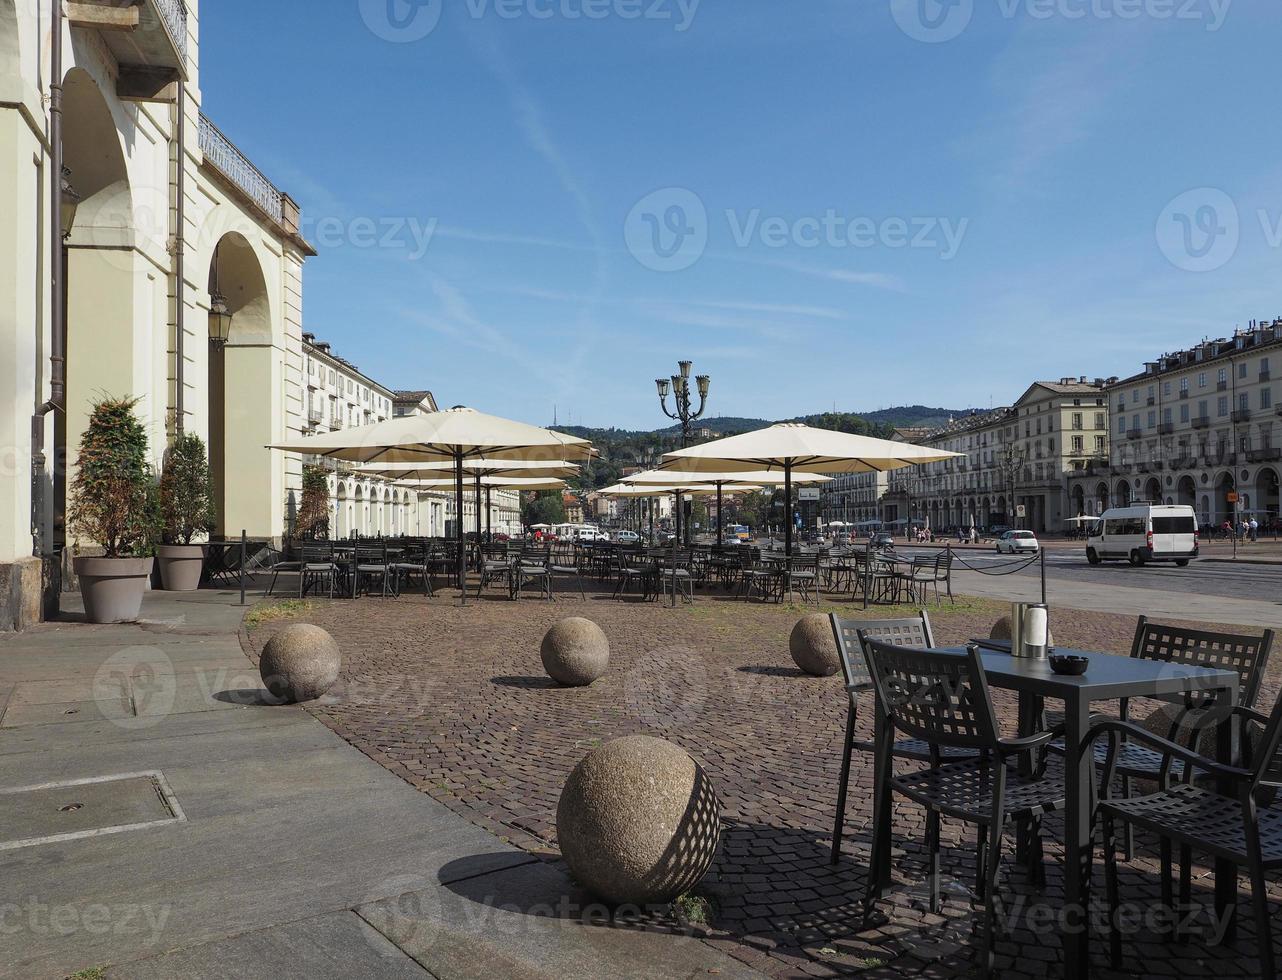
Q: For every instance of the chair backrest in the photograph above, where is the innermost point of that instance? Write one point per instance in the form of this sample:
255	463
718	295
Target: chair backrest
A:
317	552
371	554
1265	754
913	632
939	697
1245	655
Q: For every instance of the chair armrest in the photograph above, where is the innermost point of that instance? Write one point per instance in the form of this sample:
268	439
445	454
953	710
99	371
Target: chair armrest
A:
1025	743
1250	714
1172	750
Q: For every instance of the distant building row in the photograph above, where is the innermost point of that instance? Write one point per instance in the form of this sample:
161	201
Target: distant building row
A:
1196	427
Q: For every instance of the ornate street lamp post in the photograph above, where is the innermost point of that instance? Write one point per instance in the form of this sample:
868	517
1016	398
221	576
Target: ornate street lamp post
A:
683	412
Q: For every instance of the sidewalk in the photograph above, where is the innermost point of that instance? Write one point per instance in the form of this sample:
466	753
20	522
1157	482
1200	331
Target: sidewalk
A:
262	844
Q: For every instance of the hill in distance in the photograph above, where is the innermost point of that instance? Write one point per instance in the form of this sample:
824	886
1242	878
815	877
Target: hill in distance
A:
882	420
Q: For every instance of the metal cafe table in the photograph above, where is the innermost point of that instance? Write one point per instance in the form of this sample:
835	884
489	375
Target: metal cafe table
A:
1108	678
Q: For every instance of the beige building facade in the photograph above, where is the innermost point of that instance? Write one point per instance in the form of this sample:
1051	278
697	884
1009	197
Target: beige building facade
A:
1198	427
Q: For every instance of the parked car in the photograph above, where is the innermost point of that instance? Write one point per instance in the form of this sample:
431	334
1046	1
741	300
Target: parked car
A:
997	530
1145	533
627	537
1018	542
882	540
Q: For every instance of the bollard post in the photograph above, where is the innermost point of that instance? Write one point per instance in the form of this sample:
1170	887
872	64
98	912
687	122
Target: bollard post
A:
243	535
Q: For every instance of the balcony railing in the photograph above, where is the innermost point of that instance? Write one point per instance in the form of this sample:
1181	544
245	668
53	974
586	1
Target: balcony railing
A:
235	166
1221	386
1184	393
1242	415
1165	428
1270	455
173	13
1134	433
1202	422
1265	375
1150	401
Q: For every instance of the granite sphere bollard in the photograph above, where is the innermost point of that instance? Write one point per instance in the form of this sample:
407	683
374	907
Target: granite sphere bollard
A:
813	646
300	663
638	821
575	652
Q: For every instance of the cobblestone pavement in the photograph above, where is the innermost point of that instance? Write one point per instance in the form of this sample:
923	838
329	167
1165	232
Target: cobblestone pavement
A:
454	701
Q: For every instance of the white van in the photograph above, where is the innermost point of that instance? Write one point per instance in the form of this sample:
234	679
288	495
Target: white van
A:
1143	533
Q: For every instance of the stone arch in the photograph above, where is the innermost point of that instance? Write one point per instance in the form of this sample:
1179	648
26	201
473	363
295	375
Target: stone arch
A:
1186	491
106	352
1122	496
343	520
1079	502
1101	498
1153	490
1267	493
240	378
10	41
1224	485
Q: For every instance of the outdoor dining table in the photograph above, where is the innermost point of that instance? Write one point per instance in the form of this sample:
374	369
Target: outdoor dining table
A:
1108	678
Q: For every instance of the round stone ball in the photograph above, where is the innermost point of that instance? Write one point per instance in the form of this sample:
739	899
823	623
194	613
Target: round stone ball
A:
638	821
1198	730
300	663
813	646
575	652
1001	631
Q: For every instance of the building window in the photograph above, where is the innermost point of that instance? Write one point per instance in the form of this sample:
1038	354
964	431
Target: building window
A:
1241	370
1121	425
1099	445
1184	385
1077	421
1223	406
1166	389
1184	412
1266	397
1077	445
1135	396
1243	403
1152	419
1201	379
1166	416
1223	376
1202	410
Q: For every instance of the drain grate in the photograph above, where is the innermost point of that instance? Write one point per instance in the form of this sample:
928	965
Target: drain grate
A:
79	808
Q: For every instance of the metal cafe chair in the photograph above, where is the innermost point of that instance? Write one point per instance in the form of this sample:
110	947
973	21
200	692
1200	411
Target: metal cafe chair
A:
802	574
1246	655
914	633
676	572
317	567
636	571
1239	826
416	562
534	565
370	564
496	566
565	562
943	700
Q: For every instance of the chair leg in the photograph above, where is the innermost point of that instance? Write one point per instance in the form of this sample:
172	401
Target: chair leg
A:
992	866
1186	880
1260	902
843	786
1110	887
981	859
932	849
1168	898
1128	830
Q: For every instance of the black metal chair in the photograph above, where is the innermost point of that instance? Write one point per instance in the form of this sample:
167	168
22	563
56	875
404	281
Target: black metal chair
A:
943	700
317	566
635	572
676	573
801	573
915	633
534	565
1245	655
280	563
1241	827
369	565
566	562
416	562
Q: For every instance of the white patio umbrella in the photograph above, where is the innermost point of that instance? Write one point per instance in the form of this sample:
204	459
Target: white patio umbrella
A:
453	436
488	484
758	478
791	446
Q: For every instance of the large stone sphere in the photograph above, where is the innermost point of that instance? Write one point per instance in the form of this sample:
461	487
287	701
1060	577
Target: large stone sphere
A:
300	663
1198	729
813	646
638	821
575	652
1001	631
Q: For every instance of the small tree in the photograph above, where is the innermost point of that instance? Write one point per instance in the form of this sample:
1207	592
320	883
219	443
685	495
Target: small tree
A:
313	511
546	507
186	495
109	496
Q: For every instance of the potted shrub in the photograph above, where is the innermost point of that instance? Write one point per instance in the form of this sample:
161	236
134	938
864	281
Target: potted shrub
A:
186	510
110	506
313	511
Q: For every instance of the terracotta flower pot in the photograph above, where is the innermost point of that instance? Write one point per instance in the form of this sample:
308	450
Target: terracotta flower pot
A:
180	566
112	588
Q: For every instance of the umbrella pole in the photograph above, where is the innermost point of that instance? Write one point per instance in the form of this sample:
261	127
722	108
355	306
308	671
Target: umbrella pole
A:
489	529
478	510
718	542
787	509
461	567
675	538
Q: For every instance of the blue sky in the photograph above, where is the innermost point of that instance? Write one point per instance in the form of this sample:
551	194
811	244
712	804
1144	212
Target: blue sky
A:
849	203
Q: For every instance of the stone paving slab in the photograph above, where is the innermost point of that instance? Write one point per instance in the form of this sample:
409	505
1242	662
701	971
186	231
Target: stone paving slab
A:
530	923
335	946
